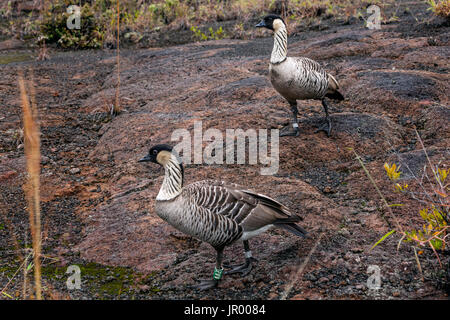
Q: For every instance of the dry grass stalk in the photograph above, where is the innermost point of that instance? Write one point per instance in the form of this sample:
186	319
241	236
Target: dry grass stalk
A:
116	107
43	53
386	204
300	269
25	278
433	230
32	186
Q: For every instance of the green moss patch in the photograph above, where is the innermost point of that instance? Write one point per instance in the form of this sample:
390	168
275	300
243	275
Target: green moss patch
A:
104	282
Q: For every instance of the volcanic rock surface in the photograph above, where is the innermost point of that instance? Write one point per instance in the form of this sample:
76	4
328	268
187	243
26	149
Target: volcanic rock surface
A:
98	201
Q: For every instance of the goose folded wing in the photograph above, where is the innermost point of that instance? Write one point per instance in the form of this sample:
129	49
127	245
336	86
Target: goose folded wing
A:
309	65
249	209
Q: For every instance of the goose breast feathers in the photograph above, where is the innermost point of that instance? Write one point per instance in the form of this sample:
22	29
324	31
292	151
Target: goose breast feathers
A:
299	78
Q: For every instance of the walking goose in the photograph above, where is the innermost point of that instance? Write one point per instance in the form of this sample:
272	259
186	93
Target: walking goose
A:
297	78
216	212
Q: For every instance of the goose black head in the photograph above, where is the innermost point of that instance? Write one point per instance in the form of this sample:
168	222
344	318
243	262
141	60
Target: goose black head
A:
268	22
160	154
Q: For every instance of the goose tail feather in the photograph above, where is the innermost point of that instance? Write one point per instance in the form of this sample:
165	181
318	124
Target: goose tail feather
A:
292	228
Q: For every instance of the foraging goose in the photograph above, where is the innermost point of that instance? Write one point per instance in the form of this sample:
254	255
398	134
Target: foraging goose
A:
297	78
216	212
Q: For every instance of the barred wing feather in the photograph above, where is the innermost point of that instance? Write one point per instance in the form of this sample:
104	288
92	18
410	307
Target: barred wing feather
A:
249	209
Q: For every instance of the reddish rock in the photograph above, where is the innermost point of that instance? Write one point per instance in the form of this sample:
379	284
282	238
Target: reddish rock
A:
393	79
11	44
7	175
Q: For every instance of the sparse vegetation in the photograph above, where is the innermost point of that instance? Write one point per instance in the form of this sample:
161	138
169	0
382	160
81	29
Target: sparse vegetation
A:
54	27
430	201
98	18
95	201
213	34
435	215
440	7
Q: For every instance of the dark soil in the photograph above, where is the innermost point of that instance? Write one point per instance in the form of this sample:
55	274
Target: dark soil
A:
97	201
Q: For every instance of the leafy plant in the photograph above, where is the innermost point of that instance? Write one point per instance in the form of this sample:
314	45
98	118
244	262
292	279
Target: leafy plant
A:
6	10
142	16
435	228
213	34
54	28
433	207
442	8
394	175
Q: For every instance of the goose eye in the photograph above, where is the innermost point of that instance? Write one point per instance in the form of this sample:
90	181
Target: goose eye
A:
155	152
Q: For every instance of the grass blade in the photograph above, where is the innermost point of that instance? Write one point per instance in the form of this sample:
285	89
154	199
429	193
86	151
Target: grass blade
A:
7	295
383	238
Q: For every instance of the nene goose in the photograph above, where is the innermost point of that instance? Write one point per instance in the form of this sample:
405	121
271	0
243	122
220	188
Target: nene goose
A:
216	212
297	78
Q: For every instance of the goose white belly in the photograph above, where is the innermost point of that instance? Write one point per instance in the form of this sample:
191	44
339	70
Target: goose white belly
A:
250	234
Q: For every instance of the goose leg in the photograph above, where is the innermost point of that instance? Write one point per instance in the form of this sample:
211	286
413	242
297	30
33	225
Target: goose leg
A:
217	275
294	131
244	268
114	111
326	127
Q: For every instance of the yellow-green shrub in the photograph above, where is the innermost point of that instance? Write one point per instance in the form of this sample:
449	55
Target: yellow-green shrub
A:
434	210
440	8
54	27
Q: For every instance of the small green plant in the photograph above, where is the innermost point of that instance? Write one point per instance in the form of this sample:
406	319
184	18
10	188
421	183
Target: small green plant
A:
54	28
198	34
217	34
435	228
239	31
6	10
331	10
213	34
432	5
432	205
393	174
441	8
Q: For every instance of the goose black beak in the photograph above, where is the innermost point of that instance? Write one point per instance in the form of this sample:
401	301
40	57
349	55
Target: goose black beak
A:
147	158
261	24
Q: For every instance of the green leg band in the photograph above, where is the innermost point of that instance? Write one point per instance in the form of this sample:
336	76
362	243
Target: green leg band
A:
217	275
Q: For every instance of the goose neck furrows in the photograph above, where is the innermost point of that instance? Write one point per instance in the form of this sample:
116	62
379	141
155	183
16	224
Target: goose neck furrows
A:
279	51
173	180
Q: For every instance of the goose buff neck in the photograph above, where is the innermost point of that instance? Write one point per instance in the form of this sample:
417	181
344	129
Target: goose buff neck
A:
173	179
279	50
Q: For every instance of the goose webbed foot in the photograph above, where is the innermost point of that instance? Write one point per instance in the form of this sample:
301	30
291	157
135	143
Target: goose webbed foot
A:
290	131
243	268
206	284
217	274
326	128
